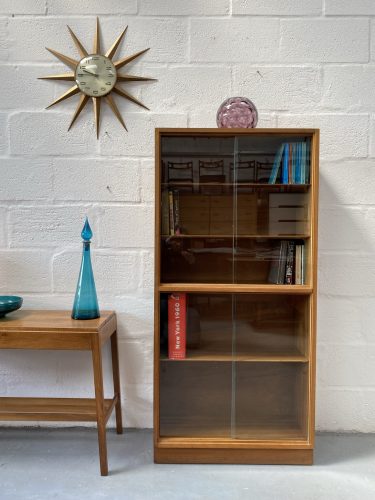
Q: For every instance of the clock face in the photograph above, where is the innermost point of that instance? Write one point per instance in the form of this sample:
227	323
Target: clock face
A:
95	75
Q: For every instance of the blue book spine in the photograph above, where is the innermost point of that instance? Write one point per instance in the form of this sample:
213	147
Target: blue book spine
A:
303	164
276	165
285	177
298	167
293	150
307	179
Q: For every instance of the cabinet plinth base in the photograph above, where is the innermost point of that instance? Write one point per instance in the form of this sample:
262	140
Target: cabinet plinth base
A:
233	456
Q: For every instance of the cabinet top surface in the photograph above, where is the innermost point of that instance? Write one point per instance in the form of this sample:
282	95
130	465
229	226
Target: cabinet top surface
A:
237	131
43	320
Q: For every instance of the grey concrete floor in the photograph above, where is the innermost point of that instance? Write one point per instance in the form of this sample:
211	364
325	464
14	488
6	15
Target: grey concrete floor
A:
63	464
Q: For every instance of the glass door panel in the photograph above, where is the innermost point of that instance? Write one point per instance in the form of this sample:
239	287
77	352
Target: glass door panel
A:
197	210
271	327
196	391
271	219
195	399
270	401
209	326
270	366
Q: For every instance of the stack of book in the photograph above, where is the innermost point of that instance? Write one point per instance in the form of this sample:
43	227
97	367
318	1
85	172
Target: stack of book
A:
291	164
287	266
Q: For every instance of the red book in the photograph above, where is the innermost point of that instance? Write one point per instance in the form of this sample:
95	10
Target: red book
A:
177	326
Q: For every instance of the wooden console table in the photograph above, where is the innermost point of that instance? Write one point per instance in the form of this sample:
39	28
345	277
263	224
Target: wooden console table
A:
56	330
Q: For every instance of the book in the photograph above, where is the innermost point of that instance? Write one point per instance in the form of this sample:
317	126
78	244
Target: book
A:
290	160
177	326
298	163
277	269
306	161
273	274
293	155
300	264
282	262
285	168
176	212
289	268
276	165
165	213
171	213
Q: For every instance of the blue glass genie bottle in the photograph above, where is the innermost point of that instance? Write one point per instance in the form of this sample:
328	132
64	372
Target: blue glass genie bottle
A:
85	301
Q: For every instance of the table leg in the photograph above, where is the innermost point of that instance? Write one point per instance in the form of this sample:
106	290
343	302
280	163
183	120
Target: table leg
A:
99	396
116	381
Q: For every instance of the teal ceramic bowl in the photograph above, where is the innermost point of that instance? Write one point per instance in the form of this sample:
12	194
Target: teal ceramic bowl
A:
9	303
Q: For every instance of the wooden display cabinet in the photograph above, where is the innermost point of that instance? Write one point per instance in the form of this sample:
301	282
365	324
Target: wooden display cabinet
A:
245	392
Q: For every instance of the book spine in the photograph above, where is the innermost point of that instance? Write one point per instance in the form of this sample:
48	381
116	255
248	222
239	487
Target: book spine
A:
289	274
282	262
299	265
290	168
302	264
294	162
307	161
274	266
284	178
176	212
177	326
276	165
298	164
171	213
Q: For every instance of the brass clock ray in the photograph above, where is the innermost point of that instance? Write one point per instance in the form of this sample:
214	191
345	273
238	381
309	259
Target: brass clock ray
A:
74	64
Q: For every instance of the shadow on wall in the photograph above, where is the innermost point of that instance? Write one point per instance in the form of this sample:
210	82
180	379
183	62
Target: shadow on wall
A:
341	448
346	299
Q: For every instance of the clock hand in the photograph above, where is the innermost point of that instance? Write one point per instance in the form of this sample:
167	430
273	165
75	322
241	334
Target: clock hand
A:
90	73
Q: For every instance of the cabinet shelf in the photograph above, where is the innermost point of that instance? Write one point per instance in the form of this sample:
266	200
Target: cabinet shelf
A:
272	358
243	389
240	236
54	409
237	185
245	436
234	288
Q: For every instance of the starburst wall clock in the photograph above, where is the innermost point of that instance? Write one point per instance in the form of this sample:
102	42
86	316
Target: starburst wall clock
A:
96	77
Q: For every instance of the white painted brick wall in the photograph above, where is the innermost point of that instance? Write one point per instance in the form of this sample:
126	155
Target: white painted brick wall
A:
3	226
290	86
104	180
277	7
324	40
303	62
234	39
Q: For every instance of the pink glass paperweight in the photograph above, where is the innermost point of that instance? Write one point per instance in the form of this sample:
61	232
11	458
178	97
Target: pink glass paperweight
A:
237	112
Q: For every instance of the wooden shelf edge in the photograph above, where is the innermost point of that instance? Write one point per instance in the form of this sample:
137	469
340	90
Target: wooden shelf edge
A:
234	131
240	236
239	359
235	184
52	409
234	288
183	443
